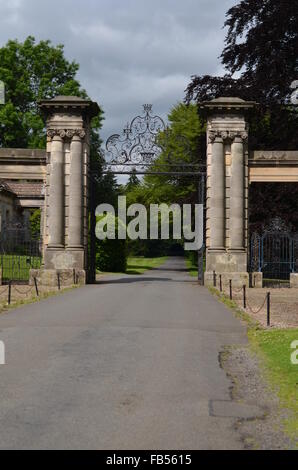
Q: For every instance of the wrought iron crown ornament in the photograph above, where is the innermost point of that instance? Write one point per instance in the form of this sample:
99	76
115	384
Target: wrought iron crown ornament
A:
138	143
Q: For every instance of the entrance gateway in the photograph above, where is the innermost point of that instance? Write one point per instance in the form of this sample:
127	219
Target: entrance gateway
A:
135	152
229	171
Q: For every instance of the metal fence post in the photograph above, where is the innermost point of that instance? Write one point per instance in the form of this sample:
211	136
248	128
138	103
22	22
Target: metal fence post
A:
58	279
244	296
268	309
220	283
231	289
36	288
214	279
9	293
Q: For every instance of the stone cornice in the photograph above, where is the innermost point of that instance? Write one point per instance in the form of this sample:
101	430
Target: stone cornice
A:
12	156
226	105
69	103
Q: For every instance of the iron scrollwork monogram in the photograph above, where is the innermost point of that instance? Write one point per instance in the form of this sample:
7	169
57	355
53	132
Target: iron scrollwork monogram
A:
138	142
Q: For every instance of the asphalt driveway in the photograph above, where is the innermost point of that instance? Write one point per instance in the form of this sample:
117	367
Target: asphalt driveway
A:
129	363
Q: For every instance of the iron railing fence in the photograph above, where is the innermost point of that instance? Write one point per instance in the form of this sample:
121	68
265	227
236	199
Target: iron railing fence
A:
274	252
18	254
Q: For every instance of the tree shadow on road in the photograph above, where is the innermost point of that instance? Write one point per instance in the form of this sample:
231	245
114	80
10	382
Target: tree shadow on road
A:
129	280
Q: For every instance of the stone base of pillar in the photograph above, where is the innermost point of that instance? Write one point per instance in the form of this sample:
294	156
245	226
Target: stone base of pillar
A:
56	258
257	279
239	279
294	280
49	277
226	261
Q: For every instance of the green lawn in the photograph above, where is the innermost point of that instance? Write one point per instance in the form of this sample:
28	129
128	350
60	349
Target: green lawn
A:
17	267
138	264
192	268
274	347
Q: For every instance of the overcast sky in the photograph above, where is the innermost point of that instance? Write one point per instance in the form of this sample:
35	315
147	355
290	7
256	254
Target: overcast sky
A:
130	51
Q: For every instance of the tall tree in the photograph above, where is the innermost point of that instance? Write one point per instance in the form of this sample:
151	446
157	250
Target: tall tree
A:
133	180
267	55
261	45
33	71
182	143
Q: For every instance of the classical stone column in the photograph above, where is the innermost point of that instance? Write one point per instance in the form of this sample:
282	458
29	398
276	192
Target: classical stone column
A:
226	251
237	192
217	194
56	197
66	219
75	228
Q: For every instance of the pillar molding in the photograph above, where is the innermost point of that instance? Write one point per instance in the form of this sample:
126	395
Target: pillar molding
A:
237	193
75	229
217	193
56	194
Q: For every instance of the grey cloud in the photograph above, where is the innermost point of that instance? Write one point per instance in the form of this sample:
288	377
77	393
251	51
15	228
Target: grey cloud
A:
130	51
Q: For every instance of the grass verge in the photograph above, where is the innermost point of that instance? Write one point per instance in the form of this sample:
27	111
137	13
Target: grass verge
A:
273	347
192	268
5	307
139	264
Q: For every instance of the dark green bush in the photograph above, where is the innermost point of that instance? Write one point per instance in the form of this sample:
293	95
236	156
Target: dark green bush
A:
111	255
35	219
193	257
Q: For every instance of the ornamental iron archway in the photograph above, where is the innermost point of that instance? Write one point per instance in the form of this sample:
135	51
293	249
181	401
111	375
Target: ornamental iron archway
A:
142	141
136	151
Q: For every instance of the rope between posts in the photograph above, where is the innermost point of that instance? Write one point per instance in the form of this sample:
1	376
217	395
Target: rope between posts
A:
4	289
23	292
258	310
63	278
237	291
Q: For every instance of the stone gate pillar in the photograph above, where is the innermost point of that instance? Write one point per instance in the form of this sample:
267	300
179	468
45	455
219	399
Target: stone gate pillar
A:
227	189
66	200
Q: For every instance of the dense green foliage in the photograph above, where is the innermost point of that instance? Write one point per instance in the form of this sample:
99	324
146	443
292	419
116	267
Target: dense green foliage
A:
31	72
261	45
34	221
111	255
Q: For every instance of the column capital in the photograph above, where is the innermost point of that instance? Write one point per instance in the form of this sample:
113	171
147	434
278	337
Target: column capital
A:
240	136
215	135
227	136
66	133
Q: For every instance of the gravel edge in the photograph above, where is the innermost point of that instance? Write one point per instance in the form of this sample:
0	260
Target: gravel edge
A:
248	385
